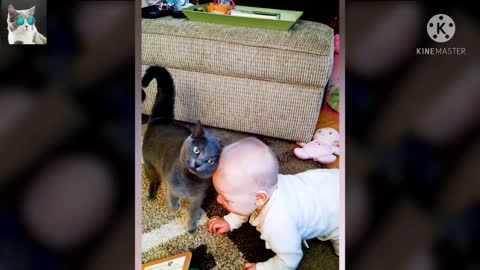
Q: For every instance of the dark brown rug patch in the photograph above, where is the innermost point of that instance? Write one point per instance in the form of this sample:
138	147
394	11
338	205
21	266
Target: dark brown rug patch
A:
246	238
201	259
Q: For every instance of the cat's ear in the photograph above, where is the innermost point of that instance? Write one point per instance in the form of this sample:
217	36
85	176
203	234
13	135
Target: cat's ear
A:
11	10
198	131
31	11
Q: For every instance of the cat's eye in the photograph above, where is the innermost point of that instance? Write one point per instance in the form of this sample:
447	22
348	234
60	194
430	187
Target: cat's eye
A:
211	161
196	150
31	21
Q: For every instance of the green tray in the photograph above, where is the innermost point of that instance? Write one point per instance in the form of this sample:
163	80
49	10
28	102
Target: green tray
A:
287	17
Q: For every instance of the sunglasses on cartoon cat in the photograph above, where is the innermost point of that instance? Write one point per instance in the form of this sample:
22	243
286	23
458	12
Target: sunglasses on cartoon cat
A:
21	21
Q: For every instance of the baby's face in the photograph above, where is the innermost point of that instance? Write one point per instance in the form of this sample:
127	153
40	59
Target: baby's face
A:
235	198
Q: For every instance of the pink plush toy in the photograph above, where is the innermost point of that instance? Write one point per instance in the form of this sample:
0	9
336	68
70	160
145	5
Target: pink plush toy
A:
323	148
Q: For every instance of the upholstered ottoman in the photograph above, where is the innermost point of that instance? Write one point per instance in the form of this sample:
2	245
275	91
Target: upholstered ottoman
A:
252	80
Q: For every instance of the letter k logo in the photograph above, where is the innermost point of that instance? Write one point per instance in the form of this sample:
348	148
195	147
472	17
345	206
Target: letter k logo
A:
441	28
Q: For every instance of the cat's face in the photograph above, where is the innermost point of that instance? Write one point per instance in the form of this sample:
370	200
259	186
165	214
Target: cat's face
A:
21	20
201	152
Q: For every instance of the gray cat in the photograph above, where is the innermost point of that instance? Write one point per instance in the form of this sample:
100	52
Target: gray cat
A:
21	27
183	161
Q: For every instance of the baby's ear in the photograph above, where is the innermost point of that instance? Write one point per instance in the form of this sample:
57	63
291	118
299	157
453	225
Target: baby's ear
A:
261	198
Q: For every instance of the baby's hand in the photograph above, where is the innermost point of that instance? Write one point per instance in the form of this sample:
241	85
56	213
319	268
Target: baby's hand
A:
218	225
250	266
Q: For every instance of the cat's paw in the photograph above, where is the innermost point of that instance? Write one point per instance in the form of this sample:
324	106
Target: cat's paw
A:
152	195
192	230
152	191
192	225
173	204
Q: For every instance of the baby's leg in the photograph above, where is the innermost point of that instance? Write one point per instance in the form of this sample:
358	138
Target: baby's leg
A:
336	246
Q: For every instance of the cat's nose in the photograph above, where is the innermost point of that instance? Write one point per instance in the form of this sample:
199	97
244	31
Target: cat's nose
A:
193	165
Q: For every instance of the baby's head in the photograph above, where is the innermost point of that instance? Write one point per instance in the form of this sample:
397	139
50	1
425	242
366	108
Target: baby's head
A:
246	176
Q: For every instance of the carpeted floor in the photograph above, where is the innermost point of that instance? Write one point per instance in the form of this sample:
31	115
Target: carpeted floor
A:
163	233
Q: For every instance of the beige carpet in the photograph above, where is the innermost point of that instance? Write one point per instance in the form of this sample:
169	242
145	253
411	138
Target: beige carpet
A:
163	233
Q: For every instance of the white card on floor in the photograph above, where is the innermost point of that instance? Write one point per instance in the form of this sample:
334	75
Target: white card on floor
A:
178	262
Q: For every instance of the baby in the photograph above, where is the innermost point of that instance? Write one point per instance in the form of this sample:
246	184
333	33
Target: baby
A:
285	209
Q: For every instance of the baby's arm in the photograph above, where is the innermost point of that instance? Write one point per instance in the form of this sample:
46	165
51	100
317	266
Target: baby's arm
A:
281	261
286	244
228	223
235	221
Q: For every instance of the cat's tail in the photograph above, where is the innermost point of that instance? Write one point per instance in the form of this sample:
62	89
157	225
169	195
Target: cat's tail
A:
165	98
